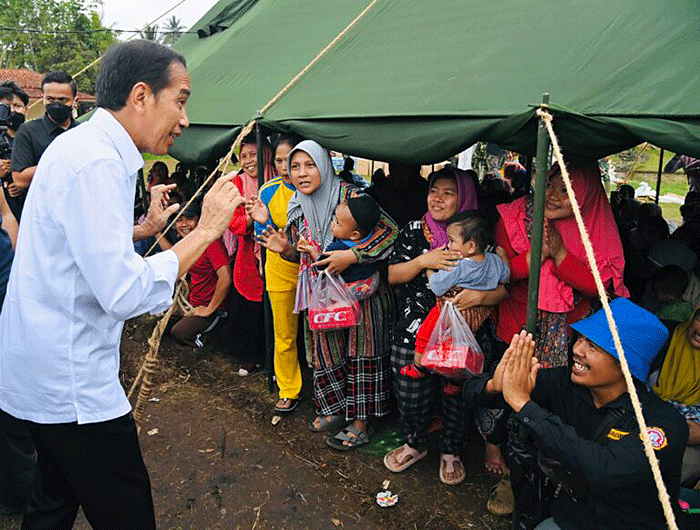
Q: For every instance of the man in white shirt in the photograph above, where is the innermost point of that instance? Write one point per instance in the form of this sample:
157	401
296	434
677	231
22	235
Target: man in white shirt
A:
76	278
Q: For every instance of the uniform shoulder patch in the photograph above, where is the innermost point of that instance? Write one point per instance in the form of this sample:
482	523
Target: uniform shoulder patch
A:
657	437
615	434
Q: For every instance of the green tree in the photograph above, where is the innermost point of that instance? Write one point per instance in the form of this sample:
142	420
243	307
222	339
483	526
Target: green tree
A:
149	33
47	35
173	30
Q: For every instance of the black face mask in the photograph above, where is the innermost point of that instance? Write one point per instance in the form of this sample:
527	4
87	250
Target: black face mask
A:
15	120
59	112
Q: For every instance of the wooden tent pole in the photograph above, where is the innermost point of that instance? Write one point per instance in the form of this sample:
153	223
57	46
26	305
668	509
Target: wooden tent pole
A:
533	286
267	311
658	175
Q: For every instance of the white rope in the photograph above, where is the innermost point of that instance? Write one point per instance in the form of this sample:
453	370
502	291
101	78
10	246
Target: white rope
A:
636	405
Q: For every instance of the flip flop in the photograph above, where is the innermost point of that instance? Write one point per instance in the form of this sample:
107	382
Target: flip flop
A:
405	464
334	423
501	499
359	438
457	470
290	408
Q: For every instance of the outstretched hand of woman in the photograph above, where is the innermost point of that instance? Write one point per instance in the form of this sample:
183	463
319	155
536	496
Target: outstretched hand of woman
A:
257	211
275	240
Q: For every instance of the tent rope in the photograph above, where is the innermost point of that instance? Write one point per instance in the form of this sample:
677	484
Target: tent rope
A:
648	450
248	128
148	368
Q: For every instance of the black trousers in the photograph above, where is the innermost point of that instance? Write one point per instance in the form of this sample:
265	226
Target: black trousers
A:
96	466
17	463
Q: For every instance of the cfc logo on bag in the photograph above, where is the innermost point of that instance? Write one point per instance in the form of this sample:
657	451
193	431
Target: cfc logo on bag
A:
337	316
330	318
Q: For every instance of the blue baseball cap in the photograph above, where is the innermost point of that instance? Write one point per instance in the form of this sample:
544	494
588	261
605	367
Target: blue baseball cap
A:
642	334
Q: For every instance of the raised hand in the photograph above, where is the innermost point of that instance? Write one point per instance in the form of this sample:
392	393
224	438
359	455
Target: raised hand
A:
304	246
440	259
275	240
218	207
158	211
519	371
257	211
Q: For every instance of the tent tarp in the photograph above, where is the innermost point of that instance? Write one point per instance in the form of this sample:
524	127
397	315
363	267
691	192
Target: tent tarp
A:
418	81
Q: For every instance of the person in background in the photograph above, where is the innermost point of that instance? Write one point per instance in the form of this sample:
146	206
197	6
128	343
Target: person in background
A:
210	281
402	194
679	384
691	167
17	99
270	211
567	287
246	328
33	137
349	176
666	287
158	174
579	422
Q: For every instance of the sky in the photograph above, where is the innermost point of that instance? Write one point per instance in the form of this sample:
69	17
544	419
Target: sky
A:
134	14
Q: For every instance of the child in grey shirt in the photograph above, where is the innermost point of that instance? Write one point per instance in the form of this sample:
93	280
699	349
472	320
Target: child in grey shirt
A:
479	270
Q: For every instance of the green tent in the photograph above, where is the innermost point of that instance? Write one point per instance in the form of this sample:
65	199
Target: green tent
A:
421	80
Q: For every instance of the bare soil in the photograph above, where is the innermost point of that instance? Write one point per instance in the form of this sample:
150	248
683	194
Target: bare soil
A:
217	462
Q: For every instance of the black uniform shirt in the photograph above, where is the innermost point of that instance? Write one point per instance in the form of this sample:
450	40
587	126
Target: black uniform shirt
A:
31	140
621	490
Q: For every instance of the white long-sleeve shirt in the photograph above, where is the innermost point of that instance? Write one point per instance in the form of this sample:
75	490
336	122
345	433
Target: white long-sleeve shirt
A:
76	278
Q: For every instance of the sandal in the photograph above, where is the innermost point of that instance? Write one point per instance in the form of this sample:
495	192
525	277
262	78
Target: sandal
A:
451	470
351	434
292	405
401	458
501	499
328	423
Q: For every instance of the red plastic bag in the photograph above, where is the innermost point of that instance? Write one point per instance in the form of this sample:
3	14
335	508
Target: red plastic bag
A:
452	350
332	305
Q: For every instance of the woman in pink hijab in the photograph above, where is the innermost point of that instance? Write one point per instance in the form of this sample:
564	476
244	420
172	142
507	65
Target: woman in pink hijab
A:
566	282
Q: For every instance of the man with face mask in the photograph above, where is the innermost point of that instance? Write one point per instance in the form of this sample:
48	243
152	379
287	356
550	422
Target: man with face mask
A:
16	99
32	138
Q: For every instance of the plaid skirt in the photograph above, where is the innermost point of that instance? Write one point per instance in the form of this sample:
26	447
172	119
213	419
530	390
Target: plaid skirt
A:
351	366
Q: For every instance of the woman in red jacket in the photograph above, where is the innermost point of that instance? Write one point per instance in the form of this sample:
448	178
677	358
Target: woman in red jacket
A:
566	282
246	321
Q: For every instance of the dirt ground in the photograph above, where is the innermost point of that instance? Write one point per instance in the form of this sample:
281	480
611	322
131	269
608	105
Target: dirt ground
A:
217	462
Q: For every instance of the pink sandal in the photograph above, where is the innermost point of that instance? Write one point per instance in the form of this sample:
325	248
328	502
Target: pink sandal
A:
401	458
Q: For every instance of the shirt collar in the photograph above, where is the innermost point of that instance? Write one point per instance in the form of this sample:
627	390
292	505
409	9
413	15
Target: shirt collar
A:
52	126
350	243
129	153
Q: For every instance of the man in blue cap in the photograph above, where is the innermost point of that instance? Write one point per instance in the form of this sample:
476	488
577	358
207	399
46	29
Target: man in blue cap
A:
581	430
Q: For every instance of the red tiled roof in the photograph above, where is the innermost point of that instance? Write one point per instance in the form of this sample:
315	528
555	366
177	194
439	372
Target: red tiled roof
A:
30	82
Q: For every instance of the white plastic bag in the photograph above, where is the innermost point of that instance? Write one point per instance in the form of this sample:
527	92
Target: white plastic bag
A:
332	305
452	350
